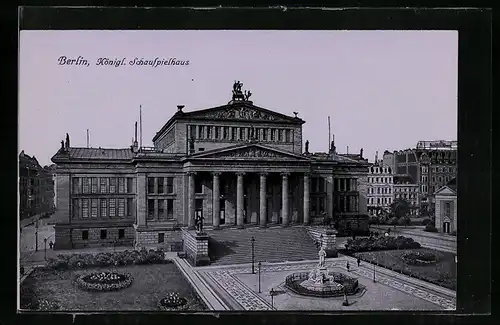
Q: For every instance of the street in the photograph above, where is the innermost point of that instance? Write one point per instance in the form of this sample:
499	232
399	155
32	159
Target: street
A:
28	238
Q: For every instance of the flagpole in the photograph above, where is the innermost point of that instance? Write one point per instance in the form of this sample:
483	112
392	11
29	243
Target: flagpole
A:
140	125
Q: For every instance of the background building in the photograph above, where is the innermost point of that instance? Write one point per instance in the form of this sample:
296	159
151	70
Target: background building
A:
406	189
380	188
36	188
446	207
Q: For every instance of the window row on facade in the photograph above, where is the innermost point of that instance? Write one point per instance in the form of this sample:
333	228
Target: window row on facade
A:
379	190
102	185
236	133
405	196
380	200
103	234
102	208
161	185
405	189
383	180
444	169
160	209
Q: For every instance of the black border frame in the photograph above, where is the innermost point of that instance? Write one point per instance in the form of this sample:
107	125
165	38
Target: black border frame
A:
474	125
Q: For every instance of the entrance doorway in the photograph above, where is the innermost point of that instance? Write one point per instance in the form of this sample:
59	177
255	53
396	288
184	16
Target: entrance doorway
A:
446	227
222	211
245	207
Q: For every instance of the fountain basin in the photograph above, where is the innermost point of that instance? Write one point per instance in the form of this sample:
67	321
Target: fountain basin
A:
333	284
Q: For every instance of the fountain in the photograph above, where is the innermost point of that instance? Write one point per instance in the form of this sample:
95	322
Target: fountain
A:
320	282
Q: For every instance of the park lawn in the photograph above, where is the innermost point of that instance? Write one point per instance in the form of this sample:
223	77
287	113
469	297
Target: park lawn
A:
443	272
150	284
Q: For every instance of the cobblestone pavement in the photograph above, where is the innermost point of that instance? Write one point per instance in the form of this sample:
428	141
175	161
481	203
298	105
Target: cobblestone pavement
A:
250	300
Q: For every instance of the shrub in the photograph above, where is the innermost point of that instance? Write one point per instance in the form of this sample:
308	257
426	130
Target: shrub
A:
430	228
453	233
426	221
382	220
373	220
393	221
380	243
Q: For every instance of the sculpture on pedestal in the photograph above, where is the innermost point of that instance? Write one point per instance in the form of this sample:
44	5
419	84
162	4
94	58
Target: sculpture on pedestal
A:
199	223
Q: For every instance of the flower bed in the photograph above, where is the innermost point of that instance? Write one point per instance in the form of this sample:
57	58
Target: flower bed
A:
103	281
419	258
172	302
73	261
380	243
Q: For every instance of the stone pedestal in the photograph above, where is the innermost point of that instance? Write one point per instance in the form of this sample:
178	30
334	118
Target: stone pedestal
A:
330	241
196	247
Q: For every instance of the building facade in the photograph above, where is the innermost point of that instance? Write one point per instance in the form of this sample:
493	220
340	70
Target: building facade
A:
235	165
36	188
380	188
405	189
446	207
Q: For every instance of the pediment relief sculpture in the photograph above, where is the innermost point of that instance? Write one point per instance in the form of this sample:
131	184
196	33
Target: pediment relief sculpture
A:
243	113
251	153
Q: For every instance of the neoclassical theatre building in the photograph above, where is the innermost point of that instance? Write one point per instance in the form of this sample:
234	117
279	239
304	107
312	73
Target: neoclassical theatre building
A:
236	165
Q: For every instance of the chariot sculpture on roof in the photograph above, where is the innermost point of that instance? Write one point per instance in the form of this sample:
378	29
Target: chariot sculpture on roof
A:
238	94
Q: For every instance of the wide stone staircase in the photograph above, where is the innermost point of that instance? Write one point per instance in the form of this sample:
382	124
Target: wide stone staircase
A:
277	244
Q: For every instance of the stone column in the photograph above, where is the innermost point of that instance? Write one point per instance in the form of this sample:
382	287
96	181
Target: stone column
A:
141	200
191	200
239	200
216	200
329	194
306	198
284	198
262	201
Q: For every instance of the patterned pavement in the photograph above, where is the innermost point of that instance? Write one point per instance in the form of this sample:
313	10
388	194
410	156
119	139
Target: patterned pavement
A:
248	299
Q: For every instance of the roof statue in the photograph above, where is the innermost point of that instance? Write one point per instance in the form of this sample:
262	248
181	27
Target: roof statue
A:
238	94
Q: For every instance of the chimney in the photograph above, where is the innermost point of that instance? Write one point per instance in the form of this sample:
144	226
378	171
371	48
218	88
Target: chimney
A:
135	144
361	153
67	141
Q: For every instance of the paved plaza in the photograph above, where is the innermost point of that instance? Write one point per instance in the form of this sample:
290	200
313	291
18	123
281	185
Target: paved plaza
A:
238	288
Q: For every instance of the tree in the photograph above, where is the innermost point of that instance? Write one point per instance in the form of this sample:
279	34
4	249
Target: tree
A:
400	208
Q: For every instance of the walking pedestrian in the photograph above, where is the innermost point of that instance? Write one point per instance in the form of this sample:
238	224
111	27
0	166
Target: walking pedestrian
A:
348	266
51	244
359	261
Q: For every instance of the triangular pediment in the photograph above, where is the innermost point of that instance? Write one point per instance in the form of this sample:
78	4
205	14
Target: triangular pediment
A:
250	151
242	111
445	191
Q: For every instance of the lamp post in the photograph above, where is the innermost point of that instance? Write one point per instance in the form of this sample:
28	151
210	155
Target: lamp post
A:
374	271
45	248
272	292
259	265
36	235
253	255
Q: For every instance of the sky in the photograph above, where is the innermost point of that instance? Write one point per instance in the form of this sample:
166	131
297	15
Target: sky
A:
383	90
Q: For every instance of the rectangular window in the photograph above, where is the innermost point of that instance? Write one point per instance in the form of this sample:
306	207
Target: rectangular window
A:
161	209
76	185
112	185
160	185
314	185
288	137
209	132
170	185
151	185
198	186
85	208
272	132
170	209
104	205
85	184
151	209
192	130
264	134
321	185
104	233
94	185
121	233
112	207
202	131
233	133
130	206
104	185
280	135
447	207
76	208
242	133
85	234
225	131
121	185
161	237
130	185
121	207
93	204
217	132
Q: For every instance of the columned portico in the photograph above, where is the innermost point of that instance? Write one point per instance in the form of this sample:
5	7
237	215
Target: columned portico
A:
191	200
284	199
263	200
306	198
239	200
216	200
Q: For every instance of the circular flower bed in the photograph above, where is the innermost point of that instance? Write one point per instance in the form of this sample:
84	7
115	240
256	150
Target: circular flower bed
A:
419	258
104	281
173	301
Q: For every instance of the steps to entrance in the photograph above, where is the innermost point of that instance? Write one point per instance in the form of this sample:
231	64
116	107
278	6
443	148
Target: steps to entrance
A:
234	246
